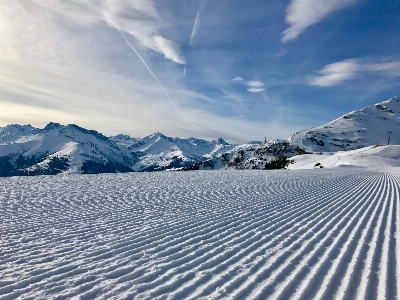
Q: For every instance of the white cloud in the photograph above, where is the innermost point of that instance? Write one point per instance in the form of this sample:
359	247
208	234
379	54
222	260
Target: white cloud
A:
168	48
301	14
138	18
336	73
255	90
252	85
255	84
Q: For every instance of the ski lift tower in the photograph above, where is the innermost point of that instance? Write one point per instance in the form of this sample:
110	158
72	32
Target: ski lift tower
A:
389	133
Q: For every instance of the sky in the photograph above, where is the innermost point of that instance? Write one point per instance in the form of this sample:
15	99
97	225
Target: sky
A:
240	70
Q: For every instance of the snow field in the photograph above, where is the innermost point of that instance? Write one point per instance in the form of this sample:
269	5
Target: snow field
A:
310	234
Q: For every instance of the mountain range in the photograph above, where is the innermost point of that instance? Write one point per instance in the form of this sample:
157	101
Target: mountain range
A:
357	129
26	150
71	149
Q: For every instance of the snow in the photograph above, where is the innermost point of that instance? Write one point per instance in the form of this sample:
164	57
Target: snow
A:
155	151
327	228
372	157
331	233
357	129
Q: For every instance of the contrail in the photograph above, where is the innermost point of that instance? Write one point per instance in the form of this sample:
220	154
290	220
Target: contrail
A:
195	27
148	68
197	21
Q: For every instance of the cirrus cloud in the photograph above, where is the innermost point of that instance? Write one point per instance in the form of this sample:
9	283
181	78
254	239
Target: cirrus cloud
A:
301	14
255	90
253	86
138	18
338	72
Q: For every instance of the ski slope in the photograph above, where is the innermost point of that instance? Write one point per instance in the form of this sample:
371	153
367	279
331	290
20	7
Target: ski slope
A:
378	157
307	234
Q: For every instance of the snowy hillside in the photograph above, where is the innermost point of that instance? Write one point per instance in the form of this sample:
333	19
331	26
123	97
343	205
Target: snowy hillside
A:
371	157
25	150
248	157
158	152
309	234
364	127
355	130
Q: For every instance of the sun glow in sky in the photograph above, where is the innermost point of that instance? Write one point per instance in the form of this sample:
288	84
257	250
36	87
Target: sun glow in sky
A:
240	70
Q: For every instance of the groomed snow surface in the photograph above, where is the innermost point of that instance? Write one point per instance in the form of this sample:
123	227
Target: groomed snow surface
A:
309	234
378	157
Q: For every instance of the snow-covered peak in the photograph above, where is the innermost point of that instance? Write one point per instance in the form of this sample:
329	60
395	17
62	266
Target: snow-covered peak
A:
393	100
156	136
74	149
357	129
80	130
13	132
53	125
221	141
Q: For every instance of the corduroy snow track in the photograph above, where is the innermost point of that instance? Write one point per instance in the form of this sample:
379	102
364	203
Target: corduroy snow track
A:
316	234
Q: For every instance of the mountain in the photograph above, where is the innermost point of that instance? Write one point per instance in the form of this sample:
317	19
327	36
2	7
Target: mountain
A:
159	152
25	150
55	149
247	156
357	129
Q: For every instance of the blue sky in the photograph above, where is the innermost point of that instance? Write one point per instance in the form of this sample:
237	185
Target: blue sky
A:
240	70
